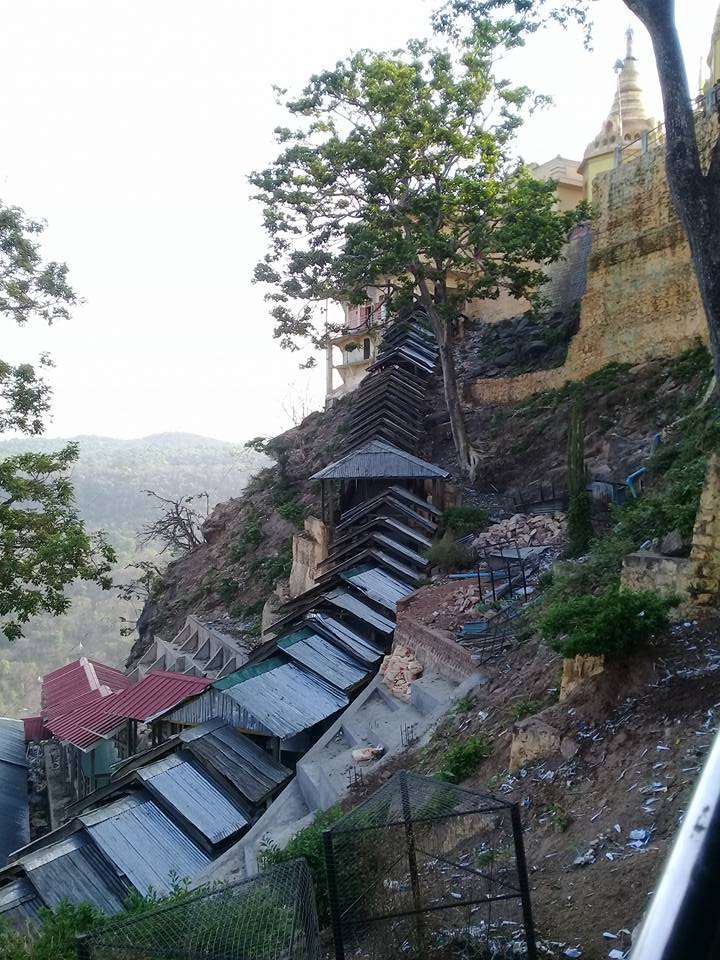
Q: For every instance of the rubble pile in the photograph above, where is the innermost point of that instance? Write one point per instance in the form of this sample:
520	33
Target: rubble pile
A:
527	530
398	671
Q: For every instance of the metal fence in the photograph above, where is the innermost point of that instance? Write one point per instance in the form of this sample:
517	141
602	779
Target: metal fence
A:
268	917
426	869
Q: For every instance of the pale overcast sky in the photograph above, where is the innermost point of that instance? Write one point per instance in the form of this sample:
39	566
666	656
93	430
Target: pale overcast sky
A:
131	125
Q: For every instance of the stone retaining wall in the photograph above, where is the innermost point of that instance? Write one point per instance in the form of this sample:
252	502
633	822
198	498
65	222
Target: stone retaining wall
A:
435	651
642	299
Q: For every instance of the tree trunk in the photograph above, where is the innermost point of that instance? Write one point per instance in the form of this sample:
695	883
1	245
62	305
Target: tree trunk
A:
450	387
695	194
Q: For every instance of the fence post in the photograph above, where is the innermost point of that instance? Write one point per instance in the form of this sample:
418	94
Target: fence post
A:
523	881
412	860
333	895
82	947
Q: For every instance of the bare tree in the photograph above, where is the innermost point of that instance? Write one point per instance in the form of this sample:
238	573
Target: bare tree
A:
179	526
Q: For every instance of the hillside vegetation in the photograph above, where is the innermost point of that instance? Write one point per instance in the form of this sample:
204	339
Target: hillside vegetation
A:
110	479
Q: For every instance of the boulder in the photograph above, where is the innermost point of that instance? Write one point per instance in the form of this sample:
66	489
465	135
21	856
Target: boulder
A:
672	544
577	672
532	740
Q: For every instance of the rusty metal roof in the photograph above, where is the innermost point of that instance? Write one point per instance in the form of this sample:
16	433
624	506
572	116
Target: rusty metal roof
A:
157	693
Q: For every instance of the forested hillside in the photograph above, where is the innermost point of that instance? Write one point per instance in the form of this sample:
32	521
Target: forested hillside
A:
110	480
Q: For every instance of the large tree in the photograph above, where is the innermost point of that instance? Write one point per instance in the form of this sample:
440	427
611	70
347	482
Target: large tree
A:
693	173
43	543
398	173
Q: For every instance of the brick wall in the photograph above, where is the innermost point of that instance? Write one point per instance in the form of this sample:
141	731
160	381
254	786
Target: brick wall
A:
436	651
642	299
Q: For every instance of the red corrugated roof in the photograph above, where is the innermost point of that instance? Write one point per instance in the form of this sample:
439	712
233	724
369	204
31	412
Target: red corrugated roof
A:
35	729
156	693
88	724
97	713
69	684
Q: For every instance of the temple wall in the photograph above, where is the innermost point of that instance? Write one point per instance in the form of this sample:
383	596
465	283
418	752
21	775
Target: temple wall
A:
642	299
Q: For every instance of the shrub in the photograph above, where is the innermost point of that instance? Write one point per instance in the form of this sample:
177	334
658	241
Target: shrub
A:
464	520
447	554
228	589
614	623
308	843
292	511
525	708
462	759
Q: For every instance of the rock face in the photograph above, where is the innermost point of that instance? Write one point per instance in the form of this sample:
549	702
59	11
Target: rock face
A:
398	671
309	549
248	545
577	672
532	740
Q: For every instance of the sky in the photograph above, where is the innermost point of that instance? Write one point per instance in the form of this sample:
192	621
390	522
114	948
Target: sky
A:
130	126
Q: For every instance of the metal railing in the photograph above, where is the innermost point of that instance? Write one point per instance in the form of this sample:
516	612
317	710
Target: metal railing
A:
704	106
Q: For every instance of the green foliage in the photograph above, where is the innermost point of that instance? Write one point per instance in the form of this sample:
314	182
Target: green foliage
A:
525	708
579	514
43	542
228	589
463	705
695	363
44	546
288	506
399	172
461	760
308	843
448	555
614	623
561	819
463	520
108	480
57	936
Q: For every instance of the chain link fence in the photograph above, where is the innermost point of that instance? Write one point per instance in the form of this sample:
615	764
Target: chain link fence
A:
268	917
425	869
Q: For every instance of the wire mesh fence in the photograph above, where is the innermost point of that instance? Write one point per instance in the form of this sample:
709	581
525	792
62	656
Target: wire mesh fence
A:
429	870
269	917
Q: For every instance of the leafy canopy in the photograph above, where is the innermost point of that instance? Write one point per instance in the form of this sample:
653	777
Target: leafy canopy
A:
398	174
43	542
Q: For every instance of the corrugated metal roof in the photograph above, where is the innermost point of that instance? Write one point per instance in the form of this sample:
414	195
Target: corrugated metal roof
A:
14	810
73	869
20	904
88	725
178	784
285	698
77	678
236	758
144	844
340	633
345	600
34	728
157	693
378	585
311	650
12	742
377	460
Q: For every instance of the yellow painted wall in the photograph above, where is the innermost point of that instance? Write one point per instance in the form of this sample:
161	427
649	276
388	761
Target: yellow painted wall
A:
594	166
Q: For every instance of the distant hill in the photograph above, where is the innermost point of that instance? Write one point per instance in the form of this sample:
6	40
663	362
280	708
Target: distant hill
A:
110	479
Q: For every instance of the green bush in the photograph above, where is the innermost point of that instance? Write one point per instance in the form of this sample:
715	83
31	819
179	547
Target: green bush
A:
462	759
56	938
525	708
308	843
614	623
447	554
463	520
